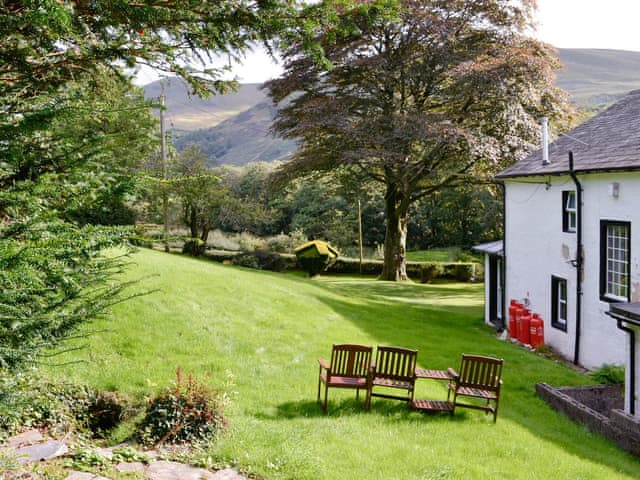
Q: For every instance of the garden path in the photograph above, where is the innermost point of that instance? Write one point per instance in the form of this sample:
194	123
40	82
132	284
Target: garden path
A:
31	447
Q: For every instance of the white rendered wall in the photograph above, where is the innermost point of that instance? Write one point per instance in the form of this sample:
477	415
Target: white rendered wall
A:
536	248
487	291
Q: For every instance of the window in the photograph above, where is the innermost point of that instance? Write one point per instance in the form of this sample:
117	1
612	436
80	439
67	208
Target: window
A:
559	303
569	211
615	260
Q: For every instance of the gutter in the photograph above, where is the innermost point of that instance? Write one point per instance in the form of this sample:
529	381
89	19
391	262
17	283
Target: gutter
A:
578	260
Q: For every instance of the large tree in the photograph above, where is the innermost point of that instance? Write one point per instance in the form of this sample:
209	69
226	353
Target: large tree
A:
446	93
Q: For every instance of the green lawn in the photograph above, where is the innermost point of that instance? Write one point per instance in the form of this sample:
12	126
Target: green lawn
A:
264	331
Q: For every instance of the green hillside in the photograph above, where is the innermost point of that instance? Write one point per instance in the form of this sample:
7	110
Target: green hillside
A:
241	139
594	77
257	336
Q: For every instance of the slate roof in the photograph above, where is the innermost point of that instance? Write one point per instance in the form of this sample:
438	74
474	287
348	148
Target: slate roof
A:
608	141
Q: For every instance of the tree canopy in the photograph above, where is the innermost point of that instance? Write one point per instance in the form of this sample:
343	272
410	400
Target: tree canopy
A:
445	93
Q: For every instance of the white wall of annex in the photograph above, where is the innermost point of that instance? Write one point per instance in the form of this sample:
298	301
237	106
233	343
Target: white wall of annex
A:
536	248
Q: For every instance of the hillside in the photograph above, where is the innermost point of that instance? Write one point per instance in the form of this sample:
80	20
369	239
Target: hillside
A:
190	112
241	139
233	128
594	77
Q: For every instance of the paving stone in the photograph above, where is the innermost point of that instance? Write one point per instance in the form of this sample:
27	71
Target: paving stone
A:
228	474
163	470
74	475
131	467
25	438
41	451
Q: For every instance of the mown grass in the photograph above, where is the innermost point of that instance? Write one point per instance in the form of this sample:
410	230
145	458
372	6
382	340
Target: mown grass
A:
264	331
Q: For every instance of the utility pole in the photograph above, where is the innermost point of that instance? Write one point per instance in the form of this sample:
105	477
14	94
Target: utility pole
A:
163	155
360	233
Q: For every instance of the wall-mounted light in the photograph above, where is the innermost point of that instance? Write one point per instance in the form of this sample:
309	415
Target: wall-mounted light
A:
614	189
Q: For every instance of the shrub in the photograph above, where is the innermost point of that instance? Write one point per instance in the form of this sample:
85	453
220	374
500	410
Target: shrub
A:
187	412
284	243
193	246
608	374
430	271
27	400
104	412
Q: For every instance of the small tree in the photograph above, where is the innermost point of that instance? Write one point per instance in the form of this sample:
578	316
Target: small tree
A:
200	196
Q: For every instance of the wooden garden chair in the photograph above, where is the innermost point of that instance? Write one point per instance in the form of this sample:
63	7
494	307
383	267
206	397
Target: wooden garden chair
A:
395	367
349	368
478	384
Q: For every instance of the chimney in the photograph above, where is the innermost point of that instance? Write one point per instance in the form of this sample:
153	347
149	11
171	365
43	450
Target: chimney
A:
545	141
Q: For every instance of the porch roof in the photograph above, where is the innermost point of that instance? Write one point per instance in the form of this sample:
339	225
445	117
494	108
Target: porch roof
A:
491	248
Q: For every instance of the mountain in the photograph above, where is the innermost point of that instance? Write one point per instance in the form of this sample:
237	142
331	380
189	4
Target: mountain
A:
241	139
234	128
190	112
596	77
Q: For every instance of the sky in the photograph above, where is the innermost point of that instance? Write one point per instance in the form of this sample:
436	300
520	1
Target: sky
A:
610	24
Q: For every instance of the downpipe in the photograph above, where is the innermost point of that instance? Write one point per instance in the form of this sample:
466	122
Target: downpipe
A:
578	260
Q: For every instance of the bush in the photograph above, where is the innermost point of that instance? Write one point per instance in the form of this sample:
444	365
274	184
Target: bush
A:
430	271
608	374
193	246
284	243
104	412
27	400
188	412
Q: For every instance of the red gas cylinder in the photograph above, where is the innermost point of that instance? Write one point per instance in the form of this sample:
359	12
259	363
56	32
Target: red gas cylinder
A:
536	330
523	329
520	310
513	307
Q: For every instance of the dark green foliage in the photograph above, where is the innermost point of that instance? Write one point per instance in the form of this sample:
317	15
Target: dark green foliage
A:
104	412
28	400
608	374
194	247
54	277
188	412
263	260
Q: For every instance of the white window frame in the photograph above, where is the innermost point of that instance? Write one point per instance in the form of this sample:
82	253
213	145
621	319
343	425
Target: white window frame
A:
571	211
615	263
560	306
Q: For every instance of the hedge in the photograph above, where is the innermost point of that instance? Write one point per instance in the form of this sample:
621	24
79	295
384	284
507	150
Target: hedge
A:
423	272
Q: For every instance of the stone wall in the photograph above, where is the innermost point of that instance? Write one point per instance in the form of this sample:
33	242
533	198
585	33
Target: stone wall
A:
597	407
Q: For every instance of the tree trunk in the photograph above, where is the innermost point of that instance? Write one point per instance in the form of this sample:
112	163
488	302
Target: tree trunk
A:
396	212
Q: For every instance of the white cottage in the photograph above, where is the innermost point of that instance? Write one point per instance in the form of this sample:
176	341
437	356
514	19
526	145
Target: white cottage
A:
572	237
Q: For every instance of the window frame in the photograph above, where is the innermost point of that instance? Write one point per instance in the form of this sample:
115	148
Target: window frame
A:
569	214
606	261
556	302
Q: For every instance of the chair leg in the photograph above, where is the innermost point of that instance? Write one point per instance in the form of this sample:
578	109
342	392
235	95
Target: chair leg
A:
326	397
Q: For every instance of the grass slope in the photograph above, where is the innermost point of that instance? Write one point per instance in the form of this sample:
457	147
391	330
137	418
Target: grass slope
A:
266	330
598	76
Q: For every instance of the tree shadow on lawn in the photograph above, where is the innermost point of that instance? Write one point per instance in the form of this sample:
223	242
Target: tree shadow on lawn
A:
442	335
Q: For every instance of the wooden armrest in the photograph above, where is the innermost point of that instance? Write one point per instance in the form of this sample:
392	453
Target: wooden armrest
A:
452	373
323	363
